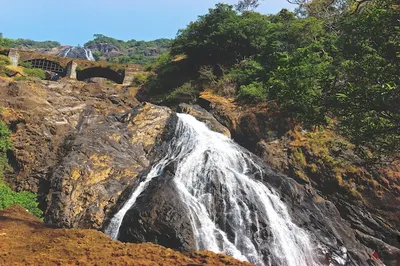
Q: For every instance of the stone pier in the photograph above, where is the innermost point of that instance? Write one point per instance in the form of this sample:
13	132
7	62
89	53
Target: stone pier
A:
14	57
70	71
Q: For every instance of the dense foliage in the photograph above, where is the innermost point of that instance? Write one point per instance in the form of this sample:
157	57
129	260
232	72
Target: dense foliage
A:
30	44
342	64
7	196
129	52
4	42
26	43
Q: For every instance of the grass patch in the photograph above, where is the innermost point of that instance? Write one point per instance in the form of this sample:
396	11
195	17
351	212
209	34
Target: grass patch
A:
35	72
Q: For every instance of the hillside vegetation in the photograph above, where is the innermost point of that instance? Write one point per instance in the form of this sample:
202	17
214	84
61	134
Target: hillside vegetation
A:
26	43
338	66
104	48
7	196
129	52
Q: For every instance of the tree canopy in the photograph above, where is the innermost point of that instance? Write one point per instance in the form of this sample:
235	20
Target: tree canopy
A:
316	67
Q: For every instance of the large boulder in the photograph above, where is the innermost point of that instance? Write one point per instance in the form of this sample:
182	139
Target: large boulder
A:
101	160
159	216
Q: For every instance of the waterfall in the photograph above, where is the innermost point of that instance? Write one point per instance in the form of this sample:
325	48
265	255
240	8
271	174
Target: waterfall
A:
77	52
228	207
66	51
89	54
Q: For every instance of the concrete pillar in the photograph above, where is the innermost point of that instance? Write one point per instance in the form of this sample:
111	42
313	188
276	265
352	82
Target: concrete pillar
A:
14	57
71	70
130	72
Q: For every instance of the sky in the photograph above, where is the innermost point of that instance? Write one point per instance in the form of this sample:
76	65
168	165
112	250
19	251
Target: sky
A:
74	22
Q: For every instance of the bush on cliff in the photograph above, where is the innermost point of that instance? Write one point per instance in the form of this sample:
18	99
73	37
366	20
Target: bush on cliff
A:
7	196
5	145
4	60
25	199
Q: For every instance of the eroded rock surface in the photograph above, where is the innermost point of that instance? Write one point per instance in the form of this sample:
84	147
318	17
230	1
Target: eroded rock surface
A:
101	160
42	115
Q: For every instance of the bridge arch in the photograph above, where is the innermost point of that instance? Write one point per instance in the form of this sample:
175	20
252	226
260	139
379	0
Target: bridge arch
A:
101	72
47	65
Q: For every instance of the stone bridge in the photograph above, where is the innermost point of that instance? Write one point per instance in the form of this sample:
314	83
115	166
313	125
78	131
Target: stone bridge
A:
76	68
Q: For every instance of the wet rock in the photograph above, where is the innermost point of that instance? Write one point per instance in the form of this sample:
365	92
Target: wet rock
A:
159	216
203	116
152	214
366	195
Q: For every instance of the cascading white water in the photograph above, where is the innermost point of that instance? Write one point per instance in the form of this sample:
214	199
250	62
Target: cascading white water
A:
66	51
227	206
89	54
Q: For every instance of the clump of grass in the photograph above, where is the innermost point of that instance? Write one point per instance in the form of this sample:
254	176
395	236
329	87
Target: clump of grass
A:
299	157
35	72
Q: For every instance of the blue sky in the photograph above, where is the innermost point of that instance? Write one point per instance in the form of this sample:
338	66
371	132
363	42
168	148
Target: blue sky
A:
74	22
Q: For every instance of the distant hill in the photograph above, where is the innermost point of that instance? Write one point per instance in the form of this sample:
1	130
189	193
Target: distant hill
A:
132	51
29	44
103	48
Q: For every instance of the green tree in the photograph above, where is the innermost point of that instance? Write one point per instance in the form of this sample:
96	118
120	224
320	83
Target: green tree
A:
368	95
4	42
244	5
222	37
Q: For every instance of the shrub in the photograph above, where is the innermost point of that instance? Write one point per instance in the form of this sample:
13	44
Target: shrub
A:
140	78
207	75
226	86
35	72
25	199
186	92
254	92
4	60
7	196
25	64
5	145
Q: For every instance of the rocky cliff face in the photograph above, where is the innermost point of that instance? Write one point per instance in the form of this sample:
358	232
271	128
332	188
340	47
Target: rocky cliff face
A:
85	147
102	158
43	117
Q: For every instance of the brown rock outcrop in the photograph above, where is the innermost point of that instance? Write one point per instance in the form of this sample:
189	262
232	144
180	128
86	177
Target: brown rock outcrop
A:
101	161
42	114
